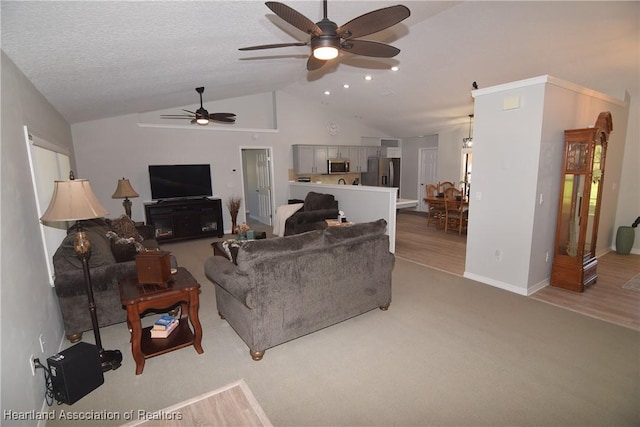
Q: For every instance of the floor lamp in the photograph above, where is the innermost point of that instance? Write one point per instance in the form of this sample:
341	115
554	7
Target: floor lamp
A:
74	201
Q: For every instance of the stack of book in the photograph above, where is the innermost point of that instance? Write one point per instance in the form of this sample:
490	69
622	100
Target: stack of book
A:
163	327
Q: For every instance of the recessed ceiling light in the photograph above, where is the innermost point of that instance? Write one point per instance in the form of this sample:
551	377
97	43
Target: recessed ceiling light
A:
326	92
367	77
346	86
394	68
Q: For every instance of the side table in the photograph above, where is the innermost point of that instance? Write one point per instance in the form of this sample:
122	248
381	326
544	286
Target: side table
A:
183	290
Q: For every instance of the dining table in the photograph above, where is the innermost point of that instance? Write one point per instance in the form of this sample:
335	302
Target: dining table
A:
439	201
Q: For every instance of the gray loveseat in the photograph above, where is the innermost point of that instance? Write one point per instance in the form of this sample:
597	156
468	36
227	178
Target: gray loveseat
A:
283	288
111	260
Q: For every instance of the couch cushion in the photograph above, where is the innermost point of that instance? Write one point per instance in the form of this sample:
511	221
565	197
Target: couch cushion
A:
65	256
315	201
254	250
365	229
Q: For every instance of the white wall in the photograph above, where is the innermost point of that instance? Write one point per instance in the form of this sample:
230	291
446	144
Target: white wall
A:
29	306
411	164
117	147
450	154
628	207
517	160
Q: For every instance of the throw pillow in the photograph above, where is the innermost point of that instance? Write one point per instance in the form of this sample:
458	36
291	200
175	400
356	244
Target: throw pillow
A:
124	249
230	248
124	227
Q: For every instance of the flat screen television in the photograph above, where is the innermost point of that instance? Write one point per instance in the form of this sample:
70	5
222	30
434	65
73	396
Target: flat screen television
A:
180	181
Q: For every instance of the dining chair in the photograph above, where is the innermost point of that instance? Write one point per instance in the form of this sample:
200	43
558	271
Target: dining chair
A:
435	206
456	213
444	185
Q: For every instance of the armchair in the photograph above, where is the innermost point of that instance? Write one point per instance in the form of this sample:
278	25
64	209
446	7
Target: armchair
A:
317	207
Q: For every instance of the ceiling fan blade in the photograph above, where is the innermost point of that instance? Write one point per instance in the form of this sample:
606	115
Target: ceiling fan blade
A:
373	22
227	120
294	18
273	46
314	63
191	112
176	116
369	48
223	117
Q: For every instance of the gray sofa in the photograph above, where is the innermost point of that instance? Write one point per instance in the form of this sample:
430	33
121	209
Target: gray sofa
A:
283	288
111	259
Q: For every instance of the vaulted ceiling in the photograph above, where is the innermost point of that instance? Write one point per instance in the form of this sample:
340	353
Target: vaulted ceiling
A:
97	59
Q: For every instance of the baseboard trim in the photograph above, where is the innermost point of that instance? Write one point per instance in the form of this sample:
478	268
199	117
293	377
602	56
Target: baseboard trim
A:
496	283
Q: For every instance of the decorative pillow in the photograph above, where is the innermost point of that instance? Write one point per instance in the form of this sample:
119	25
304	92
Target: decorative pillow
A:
124	249
124	227
230	248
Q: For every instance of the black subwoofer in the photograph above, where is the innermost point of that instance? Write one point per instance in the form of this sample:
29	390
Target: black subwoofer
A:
75	372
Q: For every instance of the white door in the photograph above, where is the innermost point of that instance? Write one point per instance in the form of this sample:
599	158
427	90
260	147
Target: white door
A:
264	187
257	184
428	174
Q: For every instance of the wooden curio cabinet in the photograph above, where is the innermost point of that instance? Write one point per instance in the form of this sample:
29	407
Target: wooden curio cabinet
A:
574	263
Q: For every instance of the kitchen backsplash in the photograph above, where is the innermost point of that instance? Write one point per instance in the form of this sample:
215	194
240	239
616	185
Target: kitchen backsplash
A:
349	178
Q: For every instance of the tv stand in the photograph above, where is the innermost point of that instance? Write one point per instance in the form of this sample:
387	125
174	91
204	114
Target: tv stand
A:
186	218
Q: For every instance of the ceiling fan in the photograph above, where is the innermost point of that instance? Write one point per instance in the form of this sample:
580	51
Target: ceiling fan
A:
327	39
202	116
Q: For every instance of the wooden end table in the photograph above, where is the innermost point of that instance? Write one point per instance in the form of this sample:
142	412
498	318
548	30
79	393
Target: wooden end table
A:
183	290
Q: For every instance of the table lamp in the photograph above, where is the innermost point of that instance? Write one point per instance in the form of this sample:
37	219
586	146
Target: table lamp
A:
75	201
124	191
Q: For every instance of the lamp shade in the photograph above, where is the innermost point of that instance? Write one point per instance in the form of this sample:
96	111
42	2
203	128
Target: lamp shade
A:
124	190
73	201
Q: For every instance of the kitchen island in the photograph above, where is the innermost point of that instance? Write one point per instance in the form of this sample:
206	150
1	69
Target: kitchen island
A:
360	203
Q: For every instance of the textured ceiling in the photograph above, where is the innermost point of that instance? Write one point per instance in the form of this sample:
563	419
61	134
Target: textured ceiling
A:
97	59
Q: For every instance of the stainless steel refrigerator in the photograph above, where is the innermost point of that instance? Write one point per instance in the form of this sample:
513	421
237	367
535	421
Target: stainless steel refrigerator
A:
382	172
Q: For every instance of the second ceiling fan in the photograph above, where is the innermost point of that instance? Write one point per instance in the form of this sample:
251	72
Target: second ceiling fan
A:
202	116
327	39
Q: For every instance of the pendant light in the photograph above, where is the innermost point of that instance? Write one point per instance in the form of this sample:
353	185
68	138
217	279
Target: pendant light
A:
468	142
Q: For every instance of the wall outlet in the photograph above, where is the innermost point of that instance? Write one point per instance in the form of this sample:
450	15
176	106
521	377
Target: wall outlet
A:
547	257
498	255
32	364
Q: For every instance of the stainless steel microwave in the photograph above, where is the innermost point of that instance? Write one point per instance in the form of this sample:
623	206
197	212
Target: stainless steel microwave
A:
335	166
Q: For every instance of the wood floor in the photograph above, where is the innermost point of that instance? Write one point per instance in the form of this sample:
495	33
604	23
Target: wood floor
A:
606	300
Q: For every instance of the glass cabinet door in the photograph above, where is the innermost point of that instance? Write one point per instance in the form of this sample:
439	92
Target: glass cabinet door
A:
571	208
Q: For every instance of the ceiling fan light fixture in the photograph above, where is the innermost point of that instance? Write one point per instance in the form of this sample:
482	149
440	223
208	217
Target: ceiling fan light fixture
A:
468	142
325	53
325	47
202	116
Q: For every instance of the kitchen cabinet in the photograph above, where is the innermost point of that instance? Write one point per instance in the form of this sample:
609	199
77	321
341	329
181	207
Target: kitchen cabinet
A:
310	159
358	157
376	151
338	152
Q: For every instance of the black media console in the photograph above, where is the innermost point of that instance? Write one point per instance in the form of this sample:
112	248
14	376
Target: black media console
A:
185	219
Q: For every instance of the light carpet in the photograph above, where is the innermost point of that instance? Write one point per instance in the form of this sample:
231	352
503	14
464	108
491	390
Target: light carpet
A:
448	352
633	284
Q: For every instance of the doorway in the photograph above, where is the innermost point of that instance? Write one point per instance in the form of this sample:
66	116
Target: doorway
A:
428	173
256	184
